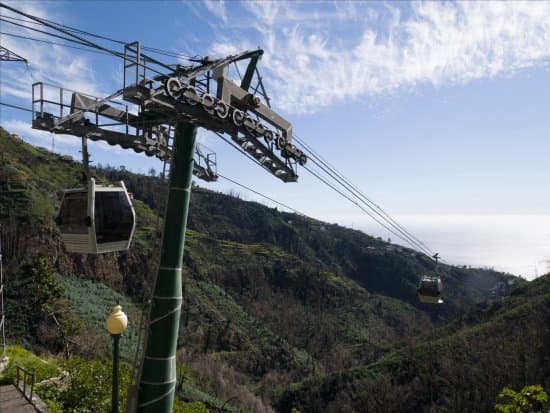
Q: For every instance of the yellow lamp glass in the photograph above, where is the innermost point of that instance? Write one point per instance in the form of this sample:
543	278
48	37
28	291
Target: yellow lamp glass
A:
117	321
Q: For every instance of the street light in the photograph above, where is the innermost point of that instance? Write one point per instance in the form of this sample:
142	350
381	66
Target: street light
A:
116	324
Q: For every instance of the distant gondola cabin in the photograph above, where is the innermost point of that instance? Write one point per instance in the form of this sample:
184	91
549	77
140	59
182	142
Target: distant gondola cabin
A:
96	219
430	290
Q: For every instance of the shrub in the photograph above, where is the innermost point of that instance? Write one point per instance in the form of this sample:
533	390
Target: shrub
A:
89	388
182	407
530	399
20	357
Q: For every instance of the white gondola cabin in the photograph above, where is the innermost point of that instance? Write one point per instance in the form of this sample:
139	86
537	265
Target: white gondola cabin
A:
430	290
96	219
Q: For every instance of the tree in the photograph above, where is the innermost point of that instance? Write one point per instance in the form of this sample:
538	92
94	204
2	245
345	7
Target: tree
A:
44	303
530	399
40	292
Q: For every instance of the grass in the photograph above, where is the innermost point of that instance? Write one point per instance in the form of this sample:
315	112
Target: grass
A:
18	356
93	302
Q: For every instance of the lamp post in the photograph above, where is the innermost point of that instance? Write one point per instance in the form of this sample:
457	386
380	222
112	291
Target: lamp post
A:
116	324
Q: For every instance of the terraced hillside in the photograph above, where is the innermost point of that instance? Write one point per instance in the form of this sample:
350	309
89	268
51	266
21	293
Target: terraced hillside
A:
271	298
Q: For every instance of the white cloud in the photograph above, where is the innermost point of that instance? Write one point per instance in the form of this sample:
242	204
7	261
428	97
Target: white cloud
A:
39	137
217	8
50	64
317	56
47	63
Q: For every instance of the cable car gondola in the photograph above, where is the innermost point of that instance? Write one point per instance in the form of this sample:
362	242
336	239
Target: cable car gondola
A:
430	289
96	219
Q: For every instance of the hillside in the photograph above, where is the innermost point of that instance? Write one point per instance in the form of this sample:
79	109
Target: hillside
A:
271	297
375	265
458	368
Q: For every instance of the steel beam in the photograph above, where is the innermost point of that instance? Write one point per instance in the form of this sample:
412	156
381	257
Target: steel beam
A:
9	56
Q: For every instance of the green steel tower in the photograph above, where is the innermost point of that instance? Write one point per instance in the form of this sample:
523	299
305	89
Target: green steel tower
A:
173	101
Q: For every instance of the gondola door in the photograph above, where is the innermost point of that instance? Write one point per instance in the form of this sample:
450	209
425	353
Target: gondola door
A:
74	221
113	218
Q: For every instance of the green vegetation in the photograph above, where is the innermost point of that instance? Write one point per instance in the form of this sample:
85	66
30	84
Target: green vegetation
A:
92	302
279	309
76	385
88	388
460	367
40	310
196	407
18	356
530	399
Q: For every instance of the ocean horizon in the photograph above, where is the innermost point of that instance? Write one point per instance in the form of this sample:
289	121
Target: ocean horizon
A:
518	244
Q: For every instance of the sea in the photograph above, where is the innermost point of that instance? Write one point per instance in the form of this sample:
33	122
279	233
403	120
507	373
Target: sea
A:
517	244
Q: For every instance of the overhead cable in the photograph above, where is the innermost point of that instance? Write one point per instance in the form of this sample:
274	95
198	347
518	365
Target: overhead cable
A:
86	41
75	30
34	39
370	214
55	27
15	106
262	195
353	190
34	29
373	212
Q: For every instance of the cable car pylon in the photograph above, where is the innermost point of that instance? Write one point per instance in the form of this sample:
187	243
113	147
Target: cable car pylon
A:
173	101
158	371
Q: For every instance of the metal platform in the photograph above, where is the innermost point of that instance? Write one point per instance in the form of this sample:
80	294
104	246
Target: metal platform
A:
154	96
64	111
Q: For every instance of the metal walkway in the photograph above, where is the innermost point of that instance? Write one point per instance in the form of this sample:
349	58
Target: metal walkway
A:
12	401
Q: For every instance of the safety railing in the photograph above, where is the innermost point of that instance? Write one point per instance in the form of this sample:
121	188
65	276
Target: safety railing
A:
25	381
57	102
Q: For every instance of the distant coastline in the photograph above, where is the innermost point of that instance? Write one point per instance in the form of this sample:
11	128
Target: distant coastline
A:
515	243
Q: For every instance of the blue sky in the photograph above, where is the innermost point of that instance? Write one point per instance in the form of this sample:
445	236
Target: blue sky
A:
432	108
